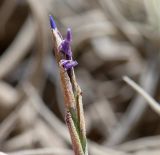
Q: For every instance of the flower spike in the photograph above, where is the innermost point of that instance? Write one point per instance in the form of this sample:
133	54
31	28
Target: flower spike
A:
52	22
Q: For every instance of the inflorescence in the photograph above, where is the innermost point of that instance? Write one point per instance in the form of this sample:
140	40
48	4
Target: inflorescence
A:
65	47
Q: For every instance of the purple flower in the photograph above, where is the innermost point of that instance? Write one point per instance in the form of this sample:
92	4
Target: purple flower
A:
52	22
68	64
66	44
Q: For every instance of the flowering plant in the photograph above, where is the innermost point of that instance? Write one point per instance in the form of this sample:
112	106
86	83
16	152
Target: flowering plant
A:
74	115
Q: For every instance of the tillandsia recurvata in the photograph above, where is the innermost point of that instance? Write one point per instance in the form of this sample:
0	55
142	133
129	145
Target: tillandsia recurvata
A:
74	115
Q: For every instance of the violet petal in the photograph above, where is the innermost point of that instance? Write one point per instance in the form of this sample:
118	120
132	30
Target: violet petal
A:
69	35
52	22
68	64
65	48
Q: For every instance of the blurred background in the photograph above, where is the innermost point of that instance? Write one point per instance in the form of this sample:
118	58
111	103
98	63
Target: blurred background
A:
111	38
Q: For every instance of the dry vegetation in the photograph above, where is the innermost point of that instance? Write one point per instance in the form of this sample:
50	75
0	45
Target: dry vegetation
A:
111	38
